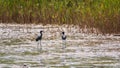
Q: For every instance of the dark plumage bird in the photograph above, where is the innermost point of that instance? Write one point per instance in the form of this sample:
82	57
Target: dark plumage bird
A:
63	36
64	39
39	37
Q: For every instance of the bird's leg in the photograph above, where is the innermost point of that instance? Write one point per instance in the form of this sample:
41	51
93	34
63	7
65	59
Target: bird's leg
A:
40	46
64	44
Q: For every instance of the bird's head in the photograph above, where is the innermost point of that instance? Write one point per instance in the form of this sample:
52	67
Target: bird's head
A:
41	31
63	32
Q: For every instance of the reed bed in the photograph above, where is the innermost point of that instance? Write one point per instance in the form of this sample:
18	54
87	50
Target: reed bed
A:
103	15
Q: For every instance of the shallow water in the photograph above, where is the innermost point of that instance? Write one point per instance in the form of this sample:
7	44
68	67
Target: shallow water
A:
18	47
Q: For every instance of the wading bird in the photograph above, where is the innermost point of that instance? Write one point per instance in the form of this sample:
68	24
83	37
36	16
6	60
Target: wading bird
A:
38	39
64	39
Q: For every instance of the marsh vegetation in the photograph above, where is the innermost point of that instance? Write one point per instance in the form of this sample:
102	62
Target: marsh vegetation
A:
104	15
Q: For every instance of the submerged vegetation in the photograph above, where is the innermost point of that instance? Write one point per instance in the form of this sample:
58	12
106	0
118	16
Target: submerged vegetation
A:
103	15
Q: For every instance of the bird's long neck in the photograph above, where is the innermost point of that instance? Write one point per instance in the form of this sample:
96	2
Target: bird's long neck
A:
63	35
40	34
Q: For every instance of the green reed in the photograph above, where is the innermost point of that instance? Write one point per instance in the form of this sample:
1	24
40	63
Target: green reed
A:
100	14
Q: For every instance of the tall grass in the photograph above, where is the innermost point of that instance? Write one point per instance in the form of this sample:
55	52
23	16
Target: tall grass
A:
100	14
